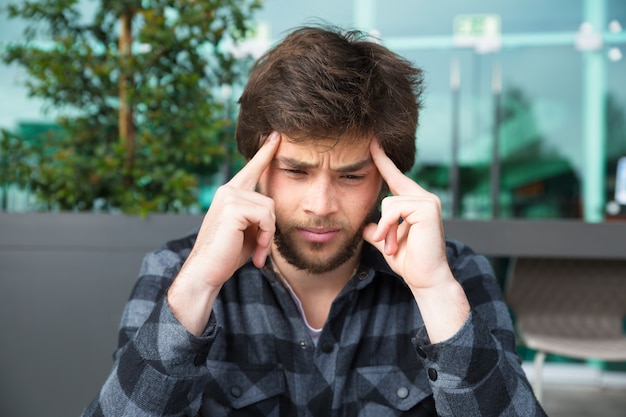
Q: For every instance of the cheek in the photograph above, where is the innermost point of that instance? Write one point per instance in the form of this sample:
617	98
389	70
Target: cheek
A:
376	191
283	193
363	202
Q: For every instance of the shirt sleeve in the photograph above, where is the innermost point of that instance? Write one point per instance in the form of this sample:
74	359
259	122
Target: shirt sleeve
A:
158	368
477	372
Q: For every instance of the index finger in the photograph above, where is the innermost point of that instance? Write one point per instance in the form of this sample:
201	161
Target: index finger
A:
399	184
248	177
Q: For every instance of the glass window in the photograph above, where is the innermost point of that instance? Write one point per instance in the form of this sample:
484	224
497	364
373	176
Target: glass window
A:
429	18
545	167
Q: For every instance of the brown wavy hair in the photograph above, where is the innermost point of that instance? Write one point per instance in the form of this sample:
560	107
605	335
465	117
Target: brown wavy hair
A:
323	83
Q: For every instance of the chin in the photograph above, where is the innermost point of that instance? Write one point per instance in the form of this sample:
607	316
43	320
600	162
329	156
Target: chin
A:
314	259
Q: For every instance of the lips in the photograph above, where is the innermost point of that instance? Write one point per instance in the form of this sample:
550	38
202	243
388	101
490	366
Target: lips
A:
318	235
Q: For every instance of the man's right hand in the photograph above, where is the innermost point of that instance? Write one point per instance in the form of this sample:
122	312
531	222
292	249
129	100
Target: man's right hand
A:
239	223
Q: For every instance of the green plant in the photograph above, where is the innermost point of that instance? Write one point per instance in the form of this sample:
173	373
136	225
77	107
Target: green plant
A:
138	85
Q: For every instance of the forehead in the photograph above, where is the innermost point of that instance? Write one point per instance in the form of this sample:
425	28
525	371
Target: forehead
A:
319	151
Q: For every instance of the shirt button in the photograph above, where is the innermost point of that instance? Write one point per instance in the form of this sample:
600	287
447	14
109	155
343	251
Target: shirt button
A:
432	374
362	276
420	352
236	391
327	347
303	344
402	392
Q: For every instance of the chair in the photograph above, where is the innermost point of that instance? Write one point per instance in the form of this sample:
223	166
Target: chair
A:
570	307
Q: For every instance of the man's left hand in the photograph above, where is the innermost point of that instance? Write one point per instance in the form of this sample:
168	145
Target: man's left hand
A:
411	238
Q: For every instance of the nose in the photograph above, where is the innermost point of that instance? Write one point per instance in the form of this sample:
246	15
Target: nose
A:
320	198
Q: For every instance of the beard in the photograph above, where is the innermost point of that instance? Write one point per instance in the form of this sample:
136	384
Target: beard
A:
309	256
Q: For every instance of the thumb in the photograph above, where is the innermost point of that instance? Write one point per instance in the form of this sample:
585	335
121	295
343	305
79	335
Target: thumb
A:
368	236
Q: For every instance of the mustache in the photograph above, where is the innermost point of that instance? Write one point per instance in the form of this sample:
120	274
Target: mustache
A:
311	224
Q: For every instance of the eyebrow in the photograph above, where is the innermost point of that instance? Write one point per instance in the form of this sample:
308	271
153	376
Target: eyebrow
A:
296	164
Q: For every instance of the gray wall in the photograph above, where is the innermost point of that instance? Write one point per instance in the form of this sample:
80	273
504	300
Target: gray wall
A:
64	279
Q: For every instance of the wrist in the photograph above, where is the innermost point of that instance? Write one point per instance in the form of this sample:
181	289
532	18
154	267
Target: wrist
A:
444	308
191	301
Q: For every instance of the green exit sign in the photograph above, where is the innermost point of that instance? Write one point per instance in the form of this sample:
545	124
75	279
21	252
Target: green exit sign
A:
481	31
472	25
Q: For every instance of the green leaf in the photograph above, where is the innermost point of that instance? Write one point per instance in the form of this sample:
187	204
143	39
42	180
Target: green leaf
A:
181	132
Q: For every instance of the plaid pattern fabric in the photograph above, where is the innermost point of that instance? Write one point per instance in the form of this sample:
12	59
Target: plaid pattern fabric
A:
256	358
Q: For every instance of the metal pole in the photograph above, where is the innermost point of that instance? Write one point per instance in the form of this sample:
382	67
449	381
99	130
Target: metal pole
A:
496	89
455	86
364	14
593	111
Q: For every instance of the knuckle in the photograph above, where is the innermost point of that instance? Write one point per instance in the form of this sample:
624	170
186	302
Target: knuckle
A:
268	210
224	194
435	201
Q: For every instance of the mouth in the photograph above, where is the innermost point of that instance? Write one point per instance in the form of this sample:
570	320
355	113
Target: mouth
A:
318	235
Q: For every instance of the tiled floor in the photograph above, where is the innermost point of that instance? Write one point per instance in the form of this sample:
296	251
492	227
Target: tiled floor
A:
581	391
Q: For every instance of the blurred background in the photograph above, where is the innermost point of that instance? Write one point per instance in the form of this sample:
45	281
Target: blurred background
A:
128	107
524	116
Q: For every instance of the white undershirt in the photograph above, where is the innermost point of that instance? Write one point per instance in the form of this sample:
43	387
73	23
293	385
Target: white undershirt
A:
313	332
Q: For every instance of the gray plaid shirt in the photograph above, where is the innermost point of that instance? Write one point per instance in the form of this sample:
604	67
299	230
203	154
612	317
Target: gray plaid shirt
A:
256	357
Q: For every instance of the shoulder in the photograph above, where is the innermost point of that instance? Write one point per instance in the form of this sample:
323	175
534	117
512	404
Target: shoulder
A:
181	246
169	256
476	274
457	249
160	267
465	262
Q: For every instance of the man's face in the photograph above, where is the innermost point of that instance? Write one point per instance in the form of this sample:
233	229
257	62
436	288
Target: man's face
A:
324	194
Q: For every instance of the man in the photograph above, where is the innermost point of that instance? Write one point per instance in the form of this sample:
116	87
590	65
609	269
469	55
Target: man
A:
290	300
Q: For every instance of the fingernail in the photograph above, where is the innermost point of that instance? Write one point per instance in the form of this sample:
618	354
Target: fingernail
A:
273	137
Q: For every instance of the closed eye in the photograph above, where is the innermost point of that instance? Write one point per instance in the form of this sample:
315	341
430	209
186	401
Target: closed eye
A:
353	177
293	171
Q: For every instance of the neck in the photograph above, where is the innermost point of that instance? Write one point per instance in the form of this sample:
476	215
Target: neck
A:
306	280
315	291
